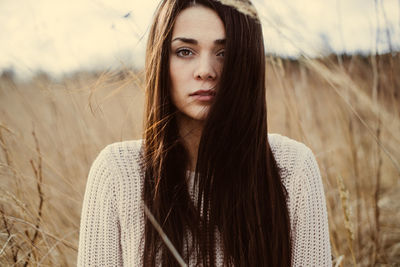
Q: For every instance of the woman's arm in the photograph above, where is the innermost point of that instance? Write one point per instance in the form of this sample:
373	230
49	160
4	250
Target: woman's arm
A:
310	236
99	238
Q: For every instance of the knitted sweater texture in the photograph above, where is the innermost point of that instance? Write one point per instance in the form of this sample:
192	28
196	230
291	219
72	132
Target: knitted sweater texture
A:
112	221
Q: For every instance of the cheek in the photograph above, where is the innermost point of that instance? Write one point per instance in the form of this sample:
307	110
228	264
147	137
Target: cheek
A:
180	75
219	66
173	73
177	77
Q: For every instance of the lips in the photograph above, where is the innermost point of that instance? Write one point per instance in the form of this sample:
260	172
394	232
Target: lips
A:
203	95
209	92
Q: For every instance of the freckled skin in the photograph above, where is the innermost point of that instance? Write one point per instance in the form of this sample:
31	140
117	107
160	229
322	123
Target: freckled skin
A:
195	66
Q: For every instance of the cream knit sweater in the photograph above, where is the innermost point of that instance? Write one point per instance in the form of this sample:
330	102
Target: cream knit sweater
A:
112	222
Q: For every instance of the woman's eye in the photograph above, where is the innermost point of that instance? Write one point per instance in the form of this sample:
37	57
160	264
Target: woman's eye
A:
221	53
184	53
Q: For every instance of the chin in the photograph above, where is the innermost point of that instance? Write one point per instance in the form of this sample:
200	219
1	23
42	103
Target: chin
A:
199	116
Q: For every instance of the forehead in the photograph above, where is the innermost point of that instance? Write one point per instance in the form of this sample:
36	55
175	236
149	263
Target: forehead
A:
199	22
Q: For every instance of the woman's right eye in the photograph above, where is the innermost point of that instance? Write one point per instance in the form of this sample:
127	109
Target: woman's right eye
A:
184	53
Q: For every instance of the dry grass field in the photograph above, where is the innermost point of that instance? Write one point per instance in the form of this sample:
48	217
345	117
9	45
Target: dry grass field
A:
347	109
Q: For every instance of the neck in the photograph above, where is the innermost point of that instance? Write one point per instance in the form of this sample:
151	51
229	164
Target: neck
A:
190	131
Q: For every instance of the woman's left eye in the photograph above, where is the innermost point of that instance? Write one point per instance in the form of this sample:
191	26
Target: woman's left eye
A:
184	53
221	53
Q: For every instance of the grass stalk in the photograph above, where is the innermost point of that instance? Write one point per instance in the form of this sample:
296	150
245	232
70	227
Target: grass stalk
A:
39	179
14	250
344	198
164	237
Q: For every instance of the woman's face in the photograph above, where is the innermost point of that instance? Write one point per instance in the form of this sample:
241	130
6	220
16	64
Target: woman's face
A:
196	60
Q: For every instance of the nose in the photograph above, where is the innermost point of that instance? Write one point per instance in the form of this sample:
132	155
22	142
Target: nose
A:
206	69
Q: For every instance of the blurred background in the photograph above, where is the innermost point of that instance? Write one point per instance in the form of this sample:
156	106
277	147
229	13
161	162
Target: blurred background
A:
71	82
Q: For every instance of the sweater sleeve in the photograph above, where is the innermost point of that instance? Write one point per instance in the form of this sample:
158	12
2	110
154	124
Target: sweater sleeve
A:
310	232
99	237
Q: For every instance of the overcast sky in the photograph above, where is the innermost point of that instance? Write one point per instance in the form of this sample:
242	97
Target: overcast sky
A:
62	36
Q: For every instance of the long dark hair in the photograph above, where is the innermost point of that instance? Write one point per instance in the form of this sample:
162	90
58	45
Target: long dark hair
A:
240	192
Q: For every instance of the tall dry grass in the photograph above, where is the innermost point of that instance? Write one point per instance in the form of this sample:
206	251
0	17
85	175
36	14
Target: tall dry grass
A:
347	111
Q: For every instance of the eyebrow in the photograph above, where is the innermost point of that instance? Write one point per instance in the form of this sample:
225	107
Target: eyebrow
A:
195	42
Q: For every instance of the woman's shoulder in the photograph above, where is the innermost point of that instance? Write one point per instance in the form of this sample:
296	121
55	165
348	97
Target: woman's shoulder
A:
124	151
291	156
286	148
117	169
123	148
119	158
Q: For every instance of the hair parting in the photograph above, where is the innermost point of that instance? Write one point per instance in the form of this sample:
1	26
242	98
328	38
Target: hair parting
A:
244	7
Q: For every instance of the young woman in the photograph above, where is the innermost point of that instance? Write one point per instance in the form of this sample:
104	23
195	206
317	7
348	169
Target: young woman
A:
225	192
